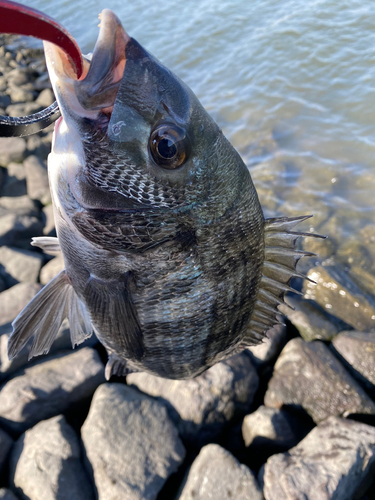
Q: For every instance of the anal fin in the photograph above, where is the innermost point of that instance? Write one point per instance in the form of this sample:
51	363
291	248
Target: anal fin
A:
279	267
43	315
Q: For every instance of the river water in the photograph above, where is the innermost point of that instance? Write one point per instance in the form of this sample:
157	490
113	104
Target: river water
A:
292	85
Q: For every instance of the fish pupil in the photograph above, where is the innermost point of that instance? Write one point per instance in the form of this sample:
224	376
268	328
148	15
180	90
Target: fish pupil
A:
167	148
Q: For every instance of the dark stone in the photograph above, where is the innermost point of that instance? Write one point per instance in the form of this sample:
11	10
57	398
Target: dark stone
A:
6	443
131	444
17	230
18	265
216	474
15	182
203	407
338	294
307	375
13	300
49	388
45	464
336	460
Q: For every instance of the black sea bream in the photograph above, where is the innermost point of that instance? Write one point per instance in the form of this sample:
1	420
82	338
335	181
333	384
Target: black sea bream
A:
167	254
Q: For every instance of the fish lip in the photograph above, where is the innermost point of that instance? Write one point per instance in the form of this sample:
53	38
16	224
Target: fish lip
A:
95	91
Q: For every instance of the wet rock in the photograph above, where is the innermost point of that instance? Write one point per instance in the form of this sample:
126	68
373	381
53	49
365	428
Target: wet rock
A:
216	474
335	461
131	444
266	352
268	430
18	265
308	375
37	180
6	443
12	149
202	407
45	464
7	494
13	300
17	230
51	269
49	221
49	388
338	294
311	321
357	352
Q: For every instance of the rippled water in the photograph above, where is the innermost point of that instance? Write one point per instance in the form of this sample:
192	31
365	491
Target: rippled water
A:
291	82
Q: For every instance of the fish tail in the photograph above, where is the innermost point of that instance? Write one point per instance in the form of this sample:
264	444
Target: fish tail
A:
43	315
281	258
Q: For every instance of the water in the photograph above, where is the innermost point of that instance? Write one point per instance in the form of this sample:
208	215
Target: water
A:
291	83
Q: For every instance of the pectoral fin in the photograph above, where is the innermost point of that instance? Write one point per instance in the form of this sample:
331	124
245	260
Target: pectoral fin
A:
48	244
43	315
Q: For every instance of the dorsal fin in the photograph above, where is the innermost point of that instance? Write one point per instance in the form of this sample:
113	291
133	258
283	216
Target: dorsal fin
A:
281	258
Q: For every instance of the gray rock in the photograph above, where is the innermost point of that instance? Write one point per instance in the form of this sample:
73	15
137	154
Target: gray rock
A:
7	494
46	98
6	443
15	182
49	388
12	149
338	294
308	375
132	445
203	406
19	94
49	221
335	462
20	205
37	180
53	267
17	230
267	352
268	428
45	464
18	76
312	322
13	300
18	265
38	146
23	109
216	474
357	351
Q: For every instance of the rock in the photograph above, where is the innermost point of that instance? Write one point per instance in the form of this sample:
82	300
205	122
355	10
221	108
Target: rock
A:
20	205
216	474
46	98
357	352
18	76
7	494
337	293
17	230
49	388
38	147
37	180
335	461
20	265
23	109
6	443
53	267
311	321
45	463
49	221
131	444
267	351
13	300
203	406
267	431
15	182
12	149
19	94
308	375
4	100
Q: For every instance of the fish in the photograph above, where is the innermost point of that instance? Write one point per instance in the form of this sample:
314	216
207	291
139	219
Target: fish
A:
168	257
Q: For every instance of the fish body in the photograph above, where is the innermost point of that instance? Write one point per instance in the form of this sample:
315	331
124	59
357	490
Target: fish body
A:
167	253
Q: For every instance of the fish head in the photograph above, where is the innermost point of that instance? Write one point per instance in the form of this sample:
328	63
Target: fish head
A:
132	134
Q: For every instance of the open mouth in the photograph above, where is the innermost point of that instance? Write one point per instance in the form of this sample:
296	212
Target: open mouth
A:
95	91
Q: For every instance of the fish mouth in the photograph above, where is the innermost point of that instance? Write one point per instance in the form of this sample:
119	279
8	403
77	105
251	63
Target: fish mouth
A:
95	91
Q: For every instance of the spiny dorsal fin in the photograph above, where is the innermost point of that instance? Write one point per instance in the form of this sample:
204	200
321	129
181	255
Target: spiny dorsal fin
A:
279	267
43	315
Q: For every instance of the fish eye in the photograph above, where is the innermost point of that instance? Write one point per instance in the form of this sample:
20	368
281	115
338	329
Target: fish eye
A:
169	146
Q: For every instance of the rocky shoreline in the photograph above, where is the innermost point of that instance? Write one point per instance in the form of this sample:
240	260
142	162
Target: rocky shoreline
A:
292	418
